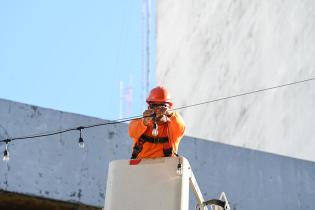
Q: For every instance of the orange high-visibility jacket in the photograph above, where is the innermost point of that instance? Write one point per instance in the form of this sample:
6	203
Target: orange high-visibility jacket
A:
174	130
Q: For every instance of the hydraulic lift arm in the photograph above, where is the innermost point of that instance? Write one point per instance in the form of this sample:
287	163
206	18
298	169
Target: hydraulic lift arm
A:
217	204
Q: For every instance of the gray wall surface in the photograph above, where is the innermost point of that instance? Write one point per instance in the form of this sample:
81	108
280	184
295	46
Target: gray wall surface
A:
251	179
55	167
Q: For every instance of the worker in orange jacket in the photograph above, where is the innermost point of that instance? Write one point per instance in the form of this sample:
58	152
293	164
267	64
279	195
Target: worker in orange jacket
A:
160	130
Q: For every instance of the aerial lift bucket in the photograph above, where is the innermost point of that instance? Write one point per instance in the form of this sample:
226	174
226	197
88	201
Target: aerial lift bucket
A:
154	184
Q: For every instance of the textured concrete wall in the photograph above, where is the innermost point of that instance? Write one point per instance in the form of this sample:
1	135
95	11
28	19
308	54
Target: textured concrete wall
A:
55	167
212	49
251	179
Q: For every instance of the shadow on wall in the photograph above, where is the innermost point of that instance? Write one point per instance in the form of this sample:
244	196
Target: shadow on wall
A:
15	201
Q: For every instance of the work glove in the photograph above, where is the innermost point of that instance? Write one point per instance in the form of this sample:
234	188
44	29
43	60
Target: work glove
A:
163	114
147	116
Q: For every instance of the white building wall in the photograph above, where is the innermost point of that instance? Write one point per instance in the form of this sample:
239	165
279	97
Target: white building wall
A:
212	49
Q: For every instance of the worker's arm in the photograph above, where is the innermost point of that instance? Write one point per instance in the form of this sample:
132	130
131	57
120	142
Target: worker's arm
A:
136	129
139	126
176	126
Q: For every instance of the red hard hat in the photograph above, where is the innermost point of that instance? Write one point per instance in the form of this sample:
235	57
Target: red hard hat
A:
160	94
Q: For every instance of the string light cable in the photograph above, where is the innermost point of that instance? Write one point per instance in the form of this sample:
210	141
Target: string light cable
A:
246	93
6	156
81	128
51	133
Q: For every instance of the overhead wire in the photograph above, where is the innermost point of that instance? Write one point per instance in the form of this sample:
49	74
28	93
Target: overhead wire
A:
247	93
50	133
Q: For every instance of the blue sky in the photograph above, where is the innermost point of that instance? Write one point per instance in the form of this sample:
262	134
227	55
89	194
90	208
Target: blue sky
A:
72	55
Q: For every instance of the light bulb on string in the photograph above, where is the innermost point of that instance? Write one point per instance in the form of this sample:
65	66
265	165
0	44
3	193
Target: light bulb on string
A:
81	141
179	170
155	131
6	155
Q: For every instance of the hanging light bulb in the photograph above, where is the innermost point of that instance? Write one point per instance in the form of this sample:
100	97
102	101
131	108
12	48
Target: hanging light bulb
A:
179	170
81	141
6	155
155	131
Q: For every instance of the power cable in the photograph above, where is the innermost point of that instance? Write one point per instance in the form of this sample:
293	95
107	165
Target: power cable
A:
140	116
243	94
80	128
71	129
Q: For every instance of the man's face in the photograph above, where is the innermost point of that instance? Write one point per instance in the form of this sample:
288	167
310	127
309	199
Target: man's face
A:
159	105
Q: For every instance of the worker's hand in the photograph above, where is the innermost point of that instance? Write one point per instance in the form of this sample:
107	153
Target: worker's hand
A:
147	116
163	113
160	111
169	112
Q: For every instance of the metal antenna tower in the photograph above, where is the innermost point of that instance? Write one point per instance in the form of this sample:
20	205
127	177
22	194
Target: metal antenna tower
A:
145	55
